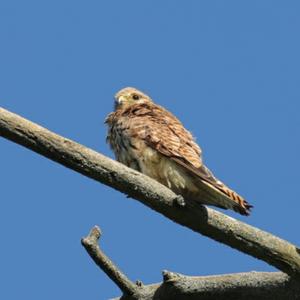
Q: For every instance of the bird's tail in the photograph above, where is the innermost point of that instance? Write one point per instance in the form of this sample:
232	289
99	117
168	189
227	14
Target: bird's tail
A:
241	205
212	191
226	198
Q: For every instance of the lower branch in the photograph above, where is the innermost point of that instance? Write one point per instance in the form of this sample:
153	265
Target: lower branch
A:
240	286
262	245
90	244
135	291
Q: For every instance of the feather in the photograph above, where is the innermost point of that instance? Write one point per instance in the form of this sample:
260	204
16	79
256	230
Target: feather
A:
145	124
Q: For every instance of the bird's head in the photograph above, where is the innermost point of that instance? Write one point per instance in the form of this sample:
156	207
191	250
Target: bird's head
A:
130	96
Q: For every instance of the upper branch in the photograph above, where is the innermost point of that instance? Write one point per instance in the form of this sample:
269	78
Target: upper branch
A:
262	245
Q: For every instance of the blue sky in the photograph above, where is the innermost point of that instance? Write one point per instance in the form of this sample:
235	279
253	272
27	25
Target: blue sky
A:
228	69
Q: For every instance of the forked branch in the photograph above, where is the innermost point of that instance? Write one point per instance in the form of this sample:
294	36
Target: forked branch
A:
241	286
90	244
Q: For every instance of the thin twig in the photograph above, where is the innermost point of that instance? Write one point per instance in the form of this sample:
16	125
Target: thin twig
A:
262	245
90	244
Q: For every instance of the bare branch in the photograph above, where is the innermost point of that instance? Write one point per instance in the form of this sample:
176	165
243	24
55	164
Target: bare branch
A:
90	244
239	286
262	245
253	285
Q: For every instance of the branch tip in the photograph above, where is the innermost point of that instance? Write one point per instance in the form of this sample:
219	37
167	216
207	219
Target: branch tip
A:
95	233
90	243
92	238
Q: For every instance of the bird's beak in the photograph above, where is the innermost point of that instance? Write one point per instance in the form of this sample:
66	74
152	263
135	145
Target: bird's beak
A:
120	100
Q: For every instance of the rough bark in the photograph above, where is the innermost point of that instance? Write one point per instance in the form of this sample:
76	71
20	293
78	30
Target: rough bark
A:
239	286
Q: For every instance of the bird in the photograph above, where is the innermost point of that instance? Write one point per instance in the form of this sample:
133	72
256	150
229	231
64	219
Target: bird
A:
148	138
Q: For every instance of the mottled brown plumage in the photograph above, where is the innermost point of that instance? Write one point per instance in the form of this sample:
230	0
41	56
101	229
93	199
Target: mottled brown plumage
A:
148	138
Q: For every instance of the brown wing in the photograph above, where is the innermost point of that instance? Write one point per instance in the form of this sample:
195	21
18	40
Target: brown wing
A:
164	132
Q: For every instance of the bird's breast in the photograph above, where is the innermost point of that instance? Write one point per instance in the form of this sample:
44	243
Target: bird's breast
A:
132	151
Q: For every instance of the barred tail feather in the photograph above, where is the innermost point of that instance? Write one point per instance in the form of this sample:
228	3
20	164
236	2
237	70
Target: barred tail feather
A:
212	191
225	195
220	195
242	207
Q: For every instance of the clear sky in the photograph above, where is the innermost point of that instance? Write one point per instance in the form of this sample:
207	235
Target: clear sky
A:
228	69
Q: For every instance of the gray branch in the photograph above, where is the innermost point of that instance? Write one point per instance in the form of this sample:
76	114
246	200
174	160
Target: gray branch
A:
240	286
257	243
90	244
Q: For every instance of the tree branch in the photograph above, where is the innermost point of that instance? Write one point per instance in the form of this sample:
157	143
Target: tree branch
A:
262	245
241	286
90	244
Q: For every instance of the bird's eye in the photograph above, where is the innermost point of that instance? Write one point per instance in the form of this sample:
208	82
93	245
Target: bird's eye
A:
135	97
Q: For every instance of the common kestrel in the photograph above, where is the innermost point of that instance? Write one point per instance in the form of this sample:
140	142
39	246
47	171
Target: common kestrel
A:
151	140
